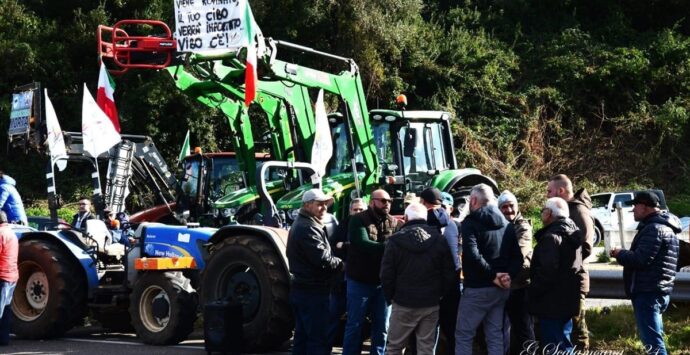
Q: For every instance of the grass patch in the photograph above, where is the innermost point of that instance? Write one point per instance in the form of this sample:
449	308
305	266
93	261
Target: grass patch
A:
615	329
603	257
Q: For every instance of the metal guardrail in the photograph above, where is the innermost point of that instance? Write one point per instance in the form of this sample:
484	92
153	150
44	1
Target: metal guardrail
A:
609	284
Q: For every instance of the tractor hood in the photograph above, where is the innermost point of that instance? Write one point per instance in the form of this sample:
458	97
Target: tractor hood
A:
335	186
247	195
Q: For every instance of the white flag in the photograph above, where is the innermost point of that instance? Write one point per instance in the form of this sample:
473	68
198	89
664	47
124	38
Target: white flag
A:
56	141
97	129
322	150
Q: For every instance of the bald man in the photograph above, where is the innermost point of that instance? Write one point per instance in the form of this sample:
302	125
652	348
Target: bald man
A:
368	232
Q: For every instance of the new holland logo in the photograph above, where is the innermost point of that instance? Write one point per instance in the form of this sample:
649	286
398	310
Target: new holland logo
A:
183	237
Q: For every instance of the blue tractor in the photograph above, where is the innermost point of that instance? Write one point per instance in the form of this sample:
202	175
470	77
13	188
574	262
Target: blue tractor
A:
151	286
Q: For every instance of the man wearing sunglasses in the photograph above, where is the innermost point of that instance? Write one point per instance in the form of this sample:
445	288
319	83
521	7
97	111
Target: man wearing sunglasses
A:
84	214
368	232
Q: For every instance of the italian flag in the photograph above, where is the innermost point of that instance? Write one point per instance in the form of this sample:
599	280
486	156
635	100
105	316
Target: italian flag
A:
105	98
250	76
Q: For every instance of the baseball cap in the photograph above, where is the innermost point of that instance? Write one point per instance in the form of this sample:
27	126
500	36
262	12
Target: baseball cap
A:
432	195
647	198
316	195
447	199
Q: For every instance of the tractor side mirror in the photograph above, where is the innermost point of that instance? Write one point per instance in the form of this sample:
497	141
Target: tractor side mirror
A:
410	142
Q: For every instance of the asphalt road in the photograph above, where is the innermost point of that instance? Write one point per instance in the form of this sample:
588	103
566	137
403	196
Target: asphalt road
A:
92	340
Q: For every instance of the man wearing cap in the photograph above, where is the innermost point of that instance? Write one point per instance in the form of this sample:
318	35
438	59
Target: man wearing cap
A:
431	198
368	233
579	206
449	302
521	326
312	266
649	267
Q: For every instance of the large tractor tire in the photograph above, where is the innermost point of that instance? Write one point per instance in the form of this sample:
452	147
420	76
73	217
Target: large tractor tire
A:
248	270
50	297
163	307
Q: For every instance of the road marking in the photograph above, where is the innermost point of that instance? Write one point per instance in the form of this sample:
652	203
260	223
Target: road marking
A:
120	342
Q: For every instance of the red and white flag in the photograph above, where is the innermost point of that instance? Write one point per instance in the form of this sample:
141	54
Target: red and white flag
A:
250	76
105	97
98	132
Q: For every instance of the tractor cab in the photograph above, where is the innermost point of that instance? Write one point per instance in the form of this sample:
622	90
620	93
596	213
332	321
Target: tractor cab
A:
413	148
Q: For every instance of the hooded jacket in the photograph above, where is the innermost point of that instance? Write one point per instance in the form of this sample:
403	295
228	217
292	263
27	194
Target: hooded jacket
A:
489	246
11	201
580	207
554	291
309	255
650	264
417	269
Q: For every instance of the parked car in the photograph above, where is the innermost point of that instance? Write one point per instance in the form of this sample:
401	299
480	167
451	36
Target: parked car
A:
606	224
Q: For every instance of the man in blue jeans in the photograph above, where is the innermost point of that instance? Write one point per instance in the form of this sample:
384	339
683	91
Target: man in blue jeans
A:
649	267
368	232
313	267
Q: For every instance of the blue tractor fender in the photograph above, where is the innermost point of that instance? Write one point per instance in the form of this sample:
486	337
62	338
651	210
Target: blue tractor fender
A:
276	237
69	242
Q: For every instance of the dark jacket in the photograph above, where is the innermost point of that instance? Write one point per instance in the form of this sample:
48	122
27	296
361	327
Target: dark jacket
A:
489	246
523	233
580	207
650	264
309	255
367	234
82	226
10	201
417	268
554	291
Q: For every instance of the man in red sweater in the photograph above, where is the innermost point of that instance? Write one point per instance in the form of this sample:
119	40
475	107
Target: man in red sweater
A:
9	249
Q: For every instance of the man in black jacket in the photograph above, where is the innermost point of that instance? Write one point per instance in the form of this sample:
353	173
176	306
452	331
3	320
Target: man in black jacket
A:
554	290
490	257
83	214
312	266
649	268
416	271
579	206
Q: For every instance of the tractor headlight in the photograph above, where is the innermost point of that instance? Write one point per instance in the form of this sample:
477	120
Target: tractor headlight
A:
227	212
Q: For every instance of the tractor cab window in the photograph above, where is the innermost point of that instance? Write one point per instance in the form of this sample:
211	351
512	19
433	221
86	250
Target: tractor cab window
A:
382	139
226	177
428	152
341	160
190	178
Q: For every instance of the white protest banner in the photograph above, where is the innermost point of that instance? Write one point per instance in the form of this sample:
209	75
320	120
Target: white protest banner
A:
210	26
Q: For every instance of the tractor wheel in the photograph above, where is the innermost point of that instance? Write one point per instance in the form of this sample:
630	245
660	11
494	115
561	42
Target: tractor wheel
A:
50	297
114	320
248	270
163	307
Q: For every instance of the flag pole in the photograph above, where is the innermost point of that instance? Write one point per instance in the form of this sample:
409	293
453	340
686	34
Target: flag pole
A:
52	193
96	180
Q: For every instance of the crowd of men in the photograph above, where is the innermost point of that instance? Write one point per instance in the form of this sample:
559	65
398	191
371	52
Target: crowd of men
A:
467	269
